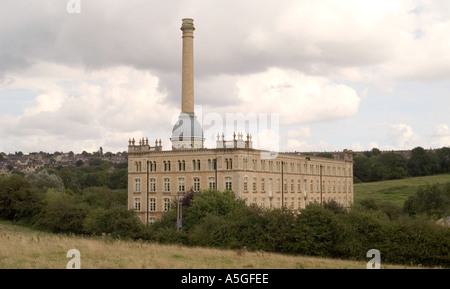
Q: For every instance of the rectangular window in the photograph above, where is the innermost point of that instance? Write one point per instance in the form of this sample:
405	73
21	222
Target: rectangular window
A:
166	185
153	166
181	184
138	166
262	185
137	204
228	184
166	204
152	204
212	183
254	185
212	164
196	184
152	185
181	166
245	184
137	185
229	163
166	166
270	187
196	165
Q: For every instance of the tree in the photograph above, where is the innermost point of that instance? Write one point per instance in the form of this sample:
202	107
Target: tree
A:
18	201
388	166
118	179
210	202
433	200
102	197
117	221
362	168
422	163
443	156
44	181
63	213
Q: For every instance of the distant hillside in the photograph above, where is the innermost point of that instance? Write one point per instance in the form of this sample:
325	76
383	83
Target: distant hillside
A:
395	191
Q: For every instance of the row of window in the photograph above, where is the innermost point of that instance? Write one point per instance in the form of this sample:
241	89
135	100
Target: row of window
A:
302	186
152	204
265	166
330	186
292	203
262	202
181	184
167	166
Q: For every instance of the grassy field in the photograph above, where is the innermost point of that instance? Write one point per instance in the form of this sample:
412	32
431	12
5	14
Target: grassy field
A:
22	247
395	191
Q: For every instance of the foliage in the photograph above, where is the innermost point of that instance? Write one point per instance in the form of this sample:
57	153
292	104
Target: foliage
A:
422	162
375	165
210	202
433	200
325	231
102	197
63	213
18	200
45	181
116	221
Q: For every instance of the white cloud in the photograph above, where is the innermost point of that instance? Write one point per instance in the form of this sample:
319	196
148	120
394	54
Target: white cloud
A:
441	136
110	106
402	136
302	132
303	146
299	99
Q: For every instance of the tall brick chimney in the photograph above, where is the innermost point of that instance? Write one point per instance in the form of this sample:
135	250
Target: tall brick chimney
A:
187	92
187	132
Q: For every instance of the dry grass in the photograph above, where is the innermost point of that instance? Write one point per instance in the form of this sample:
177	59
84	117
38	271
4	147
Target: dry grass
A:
22	247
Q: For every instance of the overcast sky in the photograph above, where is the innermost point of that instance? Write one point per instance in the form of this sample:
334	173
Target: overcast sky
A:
333	74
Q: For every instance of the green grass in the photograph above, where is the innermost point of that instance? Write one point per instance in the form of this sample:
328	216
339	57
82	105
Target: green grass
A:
395	191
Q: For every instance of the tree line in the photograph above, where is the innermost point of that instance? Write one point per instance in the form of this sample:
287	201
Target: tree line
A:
375	165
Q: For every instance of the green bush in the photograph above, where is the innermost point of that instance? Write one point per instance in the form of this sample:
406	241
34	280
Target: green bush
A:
115	221
63	213
210	202
432	200
18	200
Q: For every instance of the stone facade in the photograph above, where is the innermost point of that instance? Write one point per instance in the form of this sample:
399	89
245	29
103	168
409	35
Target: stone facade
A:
157	177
